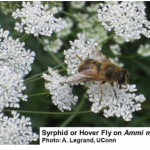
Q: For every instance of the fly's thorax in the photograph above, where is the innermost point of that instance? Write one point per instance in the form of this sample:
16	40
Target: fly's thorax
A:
111	71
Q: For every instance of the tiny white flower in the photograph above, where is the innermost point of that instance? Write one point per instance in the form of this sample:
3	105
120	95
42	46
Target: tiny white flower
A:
115	49
52	46
77	4
144	50
92	8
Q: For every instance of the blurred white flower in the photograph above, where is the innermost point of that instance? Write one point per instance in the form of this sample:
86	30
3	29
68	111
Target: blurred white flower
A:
37	19
92	29
14	55
115	61
126	18
144	50
115	49
15	130
77	4
126	103
89	24
61	93
11	88
80	16
92	8
52	46
67	29
119	39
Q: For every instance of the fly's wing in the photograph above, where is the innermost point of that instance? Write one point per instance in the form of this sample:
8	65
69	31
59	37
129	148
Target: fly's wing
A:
86	76
103	58
94	75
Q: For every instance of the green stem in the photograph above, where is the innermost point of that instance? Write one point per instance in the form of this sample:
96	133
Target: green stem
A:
107	39
23	38
67	14
51	53
43	72
56	59
33	80
68	120
49	113
39	94
41	77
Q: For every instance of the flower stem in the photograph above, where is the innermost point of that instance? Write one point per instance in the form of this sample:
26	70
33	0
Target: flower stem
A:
33	80
28	81
66	13
68	120
51	53
38	94
49	113
42	72
107	39
23	38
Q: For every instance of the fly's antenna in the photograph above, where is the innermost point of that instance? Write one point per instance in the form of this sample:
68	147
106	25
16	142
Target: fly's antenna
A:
79	58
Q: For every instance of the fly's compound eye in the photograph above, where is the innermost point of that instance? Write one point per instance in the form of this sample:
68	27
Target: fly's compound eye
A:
121	79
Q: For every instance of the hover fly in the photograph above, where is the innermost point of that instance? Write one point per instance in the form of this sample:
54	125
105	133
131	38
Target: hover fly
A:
104	71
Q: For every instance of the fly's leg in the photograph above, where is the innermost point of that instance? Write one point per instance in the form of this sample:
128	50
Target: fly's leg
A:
112	85
101	90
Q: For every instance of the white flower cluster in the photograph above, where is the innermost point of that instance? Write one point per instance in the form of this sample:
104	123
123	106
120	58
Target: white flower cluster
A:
61	93
37	19
115	49
128	19
77	4
15	61
11	87
92	8
16	130
14	55
52	46
119	39
127	101
144	50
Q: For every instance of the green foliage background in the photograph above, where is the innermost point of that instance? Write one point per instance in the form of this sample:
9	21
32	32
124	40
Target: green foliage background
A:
138	66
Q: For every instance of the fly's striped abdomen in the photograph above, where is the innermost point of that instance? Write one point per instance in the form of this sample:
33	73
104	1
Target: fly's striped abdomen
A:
90	64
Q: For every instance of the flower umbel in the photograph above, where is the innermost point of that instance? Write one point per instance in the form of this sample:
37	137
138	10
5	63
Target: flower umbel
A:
61	93
126	103
15	130
14	55
11	88
37	19
128	19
